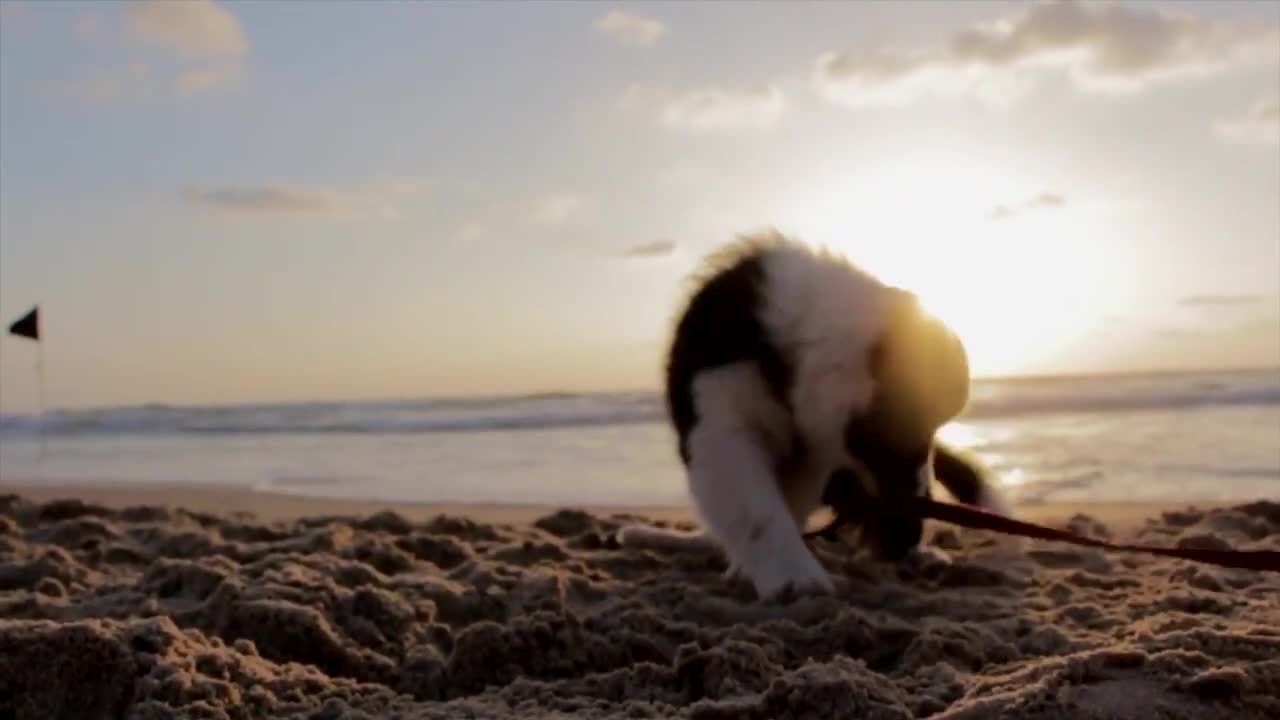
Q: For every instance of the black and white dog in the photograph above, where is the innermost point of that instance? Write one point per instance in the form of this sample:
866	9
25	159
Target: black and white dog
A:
790	365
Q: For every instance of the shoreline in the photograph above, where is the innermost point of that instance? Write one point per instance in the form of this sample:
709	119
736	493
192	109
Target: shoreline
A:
271	505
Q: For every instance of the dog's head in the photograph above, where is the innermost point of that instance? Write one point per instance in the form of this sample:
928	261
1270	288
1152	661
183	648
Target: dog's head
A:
921	373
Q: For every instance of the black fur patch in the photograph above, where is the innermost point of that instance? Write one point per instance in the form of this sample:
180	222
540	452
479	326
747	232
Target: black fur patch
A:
721	326
894	465
886	437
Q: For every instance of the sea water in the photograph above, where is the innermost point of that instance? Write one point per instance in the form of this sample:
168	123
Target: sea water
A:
1203	436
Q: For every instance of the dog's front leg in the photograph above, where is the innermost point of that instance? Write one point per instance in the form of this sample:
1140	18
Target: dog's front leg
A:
735	489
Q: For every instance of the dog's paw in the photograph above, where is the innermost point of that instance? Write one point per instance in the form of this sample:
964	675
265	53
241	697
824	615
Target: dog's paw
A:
807	580
830	586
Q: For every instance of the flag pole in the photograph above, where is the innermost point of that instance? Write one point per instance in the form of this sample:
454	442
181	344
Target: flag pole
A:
28	326
44	409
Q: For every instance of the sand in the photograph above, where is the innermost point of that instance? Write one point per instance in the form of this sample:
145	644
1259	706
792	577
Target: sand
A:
153	603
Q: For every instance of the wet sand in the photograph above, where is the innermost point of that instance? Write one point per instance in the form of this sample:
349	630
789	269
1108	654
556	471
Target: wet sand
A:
175	603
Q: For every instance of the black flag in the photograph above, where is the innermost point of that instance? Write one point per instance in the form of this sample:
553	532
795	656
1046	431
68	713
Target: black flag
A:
27	326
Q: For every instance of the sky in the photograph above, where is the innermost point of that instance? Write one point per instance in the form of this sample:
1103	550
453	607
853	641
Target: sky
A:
282	201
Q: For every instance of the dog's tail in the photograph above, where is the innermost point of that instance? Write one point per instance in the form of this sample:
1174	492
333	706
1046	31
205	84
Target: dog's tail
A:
968	482
655	538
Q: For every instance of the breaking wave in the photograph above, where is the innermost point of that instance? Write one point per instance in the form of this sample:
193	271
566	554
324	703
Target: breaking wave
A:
991	399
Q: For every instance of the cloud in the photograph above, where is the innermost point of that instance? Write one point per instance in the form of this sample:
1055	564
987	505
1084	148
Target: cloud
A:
203	34
194	29
1043	201
1047	200
1103	48
377	199
212	77
551	210
97	82
709	108
657	248
631	30
1260	123
1218	301
278	199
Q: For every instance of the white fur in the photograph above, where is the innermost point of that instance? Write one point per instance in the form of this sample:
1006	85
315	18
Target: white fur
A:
924	478
656	538
738	496
822	314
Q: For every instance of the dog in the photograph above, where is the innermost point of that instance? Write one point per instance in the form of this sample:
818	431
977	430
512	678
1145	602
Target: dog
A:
790	367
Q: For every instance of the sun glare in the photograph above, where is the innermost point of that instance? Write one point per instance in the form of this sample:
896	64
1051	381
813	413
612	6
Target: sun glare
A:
1017	288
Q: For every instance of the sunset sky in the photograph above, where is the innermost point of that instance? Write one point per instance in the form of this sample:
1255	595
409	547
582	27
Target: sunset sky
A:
274	201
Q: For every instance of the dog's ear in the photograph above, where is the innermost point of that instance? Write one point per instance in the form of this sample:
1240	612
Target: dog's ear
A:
922	362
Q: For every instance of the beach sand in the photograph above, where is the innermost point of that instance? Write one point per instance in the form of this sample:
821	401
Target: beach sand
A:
150	603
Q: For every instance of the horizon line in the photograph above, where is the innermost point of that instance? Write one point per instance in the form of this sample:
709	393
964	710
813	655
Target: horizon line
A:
371	400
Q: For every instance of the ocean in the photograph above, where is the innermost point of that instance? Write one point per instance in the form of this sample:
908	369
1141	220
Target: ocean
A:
1162	437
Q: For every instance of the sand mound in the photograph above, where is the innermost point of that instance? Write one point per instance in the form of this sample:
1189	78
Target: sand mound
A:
151	613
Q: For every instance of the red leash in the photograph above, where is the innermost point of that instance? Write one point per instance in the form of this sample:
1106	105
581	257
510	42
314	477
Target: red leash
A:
979	519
